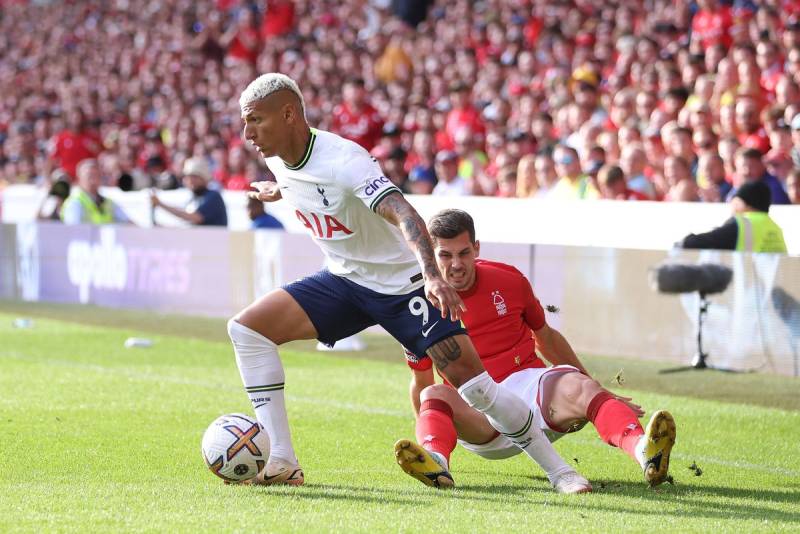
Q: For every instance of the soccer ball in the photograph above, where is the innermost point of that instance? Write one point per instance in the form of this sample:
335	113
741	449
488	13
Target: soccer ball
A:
235	447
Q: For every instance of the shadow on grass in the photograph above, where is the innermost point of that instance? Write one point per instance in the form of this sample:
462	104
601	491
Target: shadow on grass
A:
687	499
689	495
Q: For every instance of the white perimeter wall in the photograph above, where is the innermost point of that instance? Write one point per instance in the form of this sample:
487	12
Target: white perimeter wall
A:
632	225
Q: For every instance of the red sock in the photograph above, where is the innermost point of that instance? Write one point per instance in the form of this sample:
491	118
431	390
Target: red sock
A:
435	428
616	422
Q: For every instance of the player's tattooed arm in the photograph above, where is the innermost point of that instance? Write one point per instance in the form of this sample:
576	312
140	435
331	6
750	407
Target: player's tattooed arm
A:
396	209
444	352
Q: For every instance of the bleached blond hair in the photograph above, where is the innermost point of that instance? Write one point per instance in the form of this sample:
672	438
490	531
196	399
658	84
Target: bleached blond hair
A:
268	83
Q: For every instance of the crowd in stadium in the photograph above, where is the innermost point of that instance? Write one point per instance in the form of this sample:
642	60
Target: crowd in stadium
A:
626	99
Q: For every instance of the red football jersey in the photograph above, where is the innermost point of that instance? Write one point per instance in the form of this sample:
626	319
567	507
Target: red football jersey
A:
364	127
713	27
70	148
502	312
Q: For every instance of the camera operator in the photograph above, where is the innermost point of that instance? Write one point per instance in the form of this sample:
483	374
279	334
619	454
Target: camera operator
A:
750	229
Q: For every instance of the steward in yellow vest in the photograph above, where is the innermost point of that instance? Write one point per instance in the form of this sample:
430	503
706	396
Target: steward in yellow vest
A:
750	229
92	212
85	205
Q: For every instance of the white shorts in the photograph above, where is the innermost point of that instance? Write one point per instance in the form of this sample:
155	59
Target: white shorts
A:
524	384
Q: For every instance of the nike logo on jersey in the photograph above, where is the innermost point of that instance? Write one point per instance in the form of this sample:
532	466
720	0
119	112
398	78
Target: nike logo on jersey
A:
428	331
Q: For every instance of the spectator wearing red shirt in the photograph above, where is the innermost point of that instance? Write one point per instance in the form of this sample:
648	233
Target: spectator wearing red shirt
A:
770	63
355	118
712	24
752	135
238	179
462	113
241	39
74	144
278	19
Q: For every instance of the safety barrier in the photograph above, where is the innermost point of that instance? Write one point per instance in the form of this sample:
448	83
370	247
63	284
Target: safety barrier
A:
607	305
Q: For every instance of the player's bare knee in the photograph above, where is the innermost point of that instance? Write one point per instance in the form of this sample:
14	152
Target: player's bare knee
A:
589	388
567	387
439	392
564	395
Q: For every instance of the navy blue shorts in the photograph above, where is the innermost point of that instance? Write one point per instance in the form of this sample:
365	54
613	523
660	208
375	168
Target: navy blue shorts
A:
339	308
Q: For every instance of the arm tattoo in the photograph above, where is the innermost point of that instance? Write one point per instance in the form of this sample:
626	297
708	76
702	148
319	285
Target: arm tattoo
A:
444	352
396	209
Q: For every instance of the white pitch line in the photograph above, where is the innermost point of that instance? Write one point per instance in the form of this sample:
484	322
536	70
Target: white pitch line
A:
358	408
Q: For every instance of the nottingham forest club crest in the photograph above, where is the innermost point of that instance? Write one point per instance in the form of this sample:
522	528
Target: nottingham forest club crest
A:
499	303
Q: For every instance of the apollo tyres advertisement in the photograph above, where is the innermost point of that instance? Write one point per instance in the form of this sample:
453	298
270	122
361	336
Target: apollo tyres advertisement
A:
183	270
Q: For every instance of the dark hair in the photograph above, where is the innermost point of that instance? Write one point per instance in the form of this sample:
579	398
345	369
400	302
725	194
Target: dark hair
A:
611	174
451	223
681	93
749	153
355	80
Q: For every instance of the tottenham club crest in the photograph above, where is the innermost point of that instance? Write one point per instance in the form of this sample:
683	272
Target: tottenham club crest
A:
321	191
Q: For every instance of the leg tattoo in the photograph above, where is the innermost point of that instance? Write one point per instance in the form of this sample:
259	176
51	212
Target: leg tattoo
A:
444	352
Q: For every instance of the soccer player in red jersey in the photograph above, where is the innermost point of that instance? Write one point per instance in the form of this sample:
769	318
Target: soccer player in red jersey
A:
506	323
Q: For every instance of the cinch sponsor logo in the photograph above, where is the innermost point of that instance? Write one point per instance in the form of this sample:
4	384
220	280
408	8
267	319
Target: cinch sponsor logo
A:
109	265
375	185
323	226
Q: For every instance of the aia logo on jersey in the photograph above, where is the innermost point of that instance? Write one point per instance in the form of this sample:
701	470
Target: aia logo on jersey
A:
374	186
499	303
322	226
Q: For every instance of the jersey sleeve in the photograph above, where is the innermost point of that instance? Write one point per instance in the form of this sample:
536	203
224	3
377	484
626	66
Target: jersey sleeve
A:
417	363
533	313
362	175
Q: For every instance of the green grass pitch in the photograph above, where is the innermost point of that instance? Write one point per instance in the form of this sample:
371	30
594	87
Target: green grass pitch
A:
95	437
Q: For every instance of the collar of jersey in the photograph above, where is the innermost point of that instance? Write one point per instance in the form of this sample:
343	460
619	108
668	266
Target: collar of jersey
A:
307	154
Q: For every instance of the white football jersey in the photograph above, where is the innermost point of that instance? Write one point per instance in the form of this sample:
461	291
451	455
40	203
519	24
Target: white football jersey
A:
335	189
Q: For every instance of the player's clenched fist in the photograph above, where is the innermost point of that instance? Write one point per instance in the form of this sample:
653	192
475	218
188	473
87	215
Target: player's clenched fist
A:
266	191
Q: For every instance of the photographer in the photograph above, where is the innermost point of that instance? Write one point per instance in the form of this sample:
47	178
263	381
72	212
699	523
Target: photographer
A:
50	209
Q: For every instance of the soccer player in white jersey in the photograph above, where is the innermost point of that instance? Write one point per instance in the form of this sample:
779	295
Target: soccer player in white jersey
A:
382	270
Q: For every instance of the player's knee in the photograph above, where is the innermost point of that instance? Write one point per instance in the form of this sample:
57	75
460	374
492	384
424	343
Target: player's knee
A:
589	388
575	390
243	335
437	391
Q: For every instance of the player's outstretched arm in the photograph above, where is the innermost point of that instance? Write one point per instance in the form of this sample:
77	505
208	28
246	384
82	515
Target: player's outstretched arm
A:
556	349
190	217
396	209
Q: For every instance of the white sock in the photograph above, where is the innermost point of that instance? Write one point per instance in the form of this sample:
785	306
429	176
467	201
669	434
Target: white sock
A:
640	445
510	416
263	377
